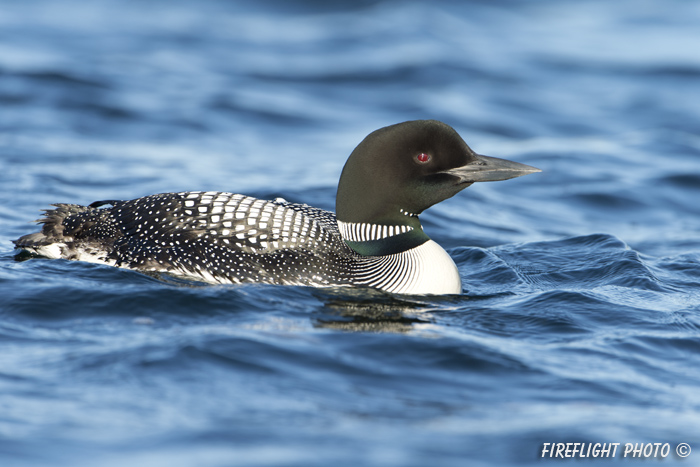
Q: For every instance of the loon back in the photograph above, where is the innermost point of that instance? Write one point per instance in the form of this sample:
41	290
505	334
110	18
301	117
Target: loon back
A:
376	240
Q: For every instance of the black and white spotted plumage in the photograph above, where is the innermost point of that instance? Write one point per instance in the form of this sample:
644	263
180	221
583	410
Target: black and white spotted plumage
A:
220	238
214	236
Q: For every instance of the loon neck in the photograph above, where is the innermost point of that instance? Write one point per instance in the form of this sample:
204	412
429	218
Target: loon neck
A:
380	239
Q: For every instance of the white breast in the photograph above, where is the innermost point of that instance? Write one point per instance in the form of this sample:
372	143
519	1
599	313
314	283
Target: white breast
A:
425	269
432	271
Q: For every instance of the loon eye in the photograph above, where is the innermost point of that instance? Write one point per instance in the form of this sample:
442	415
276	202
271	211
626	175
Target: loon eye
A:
423	158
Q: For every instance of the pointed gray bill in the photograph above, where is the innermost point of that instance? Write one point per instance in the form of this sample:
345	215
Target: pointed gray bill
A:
491	169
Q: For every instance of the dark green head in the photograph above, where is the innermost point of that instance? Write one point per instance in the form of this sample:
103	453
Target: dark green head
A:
410	166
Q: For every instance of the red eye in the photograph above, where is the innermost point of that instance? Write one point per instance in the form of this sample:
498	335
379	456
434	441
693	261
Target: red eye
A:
423	157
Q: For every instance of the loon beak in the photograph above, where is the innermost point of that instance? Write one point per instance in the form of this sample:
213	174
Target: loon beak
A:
490	169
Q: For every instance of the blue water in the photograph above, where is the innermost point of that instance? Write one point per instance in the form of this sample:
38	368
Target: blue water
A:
580	315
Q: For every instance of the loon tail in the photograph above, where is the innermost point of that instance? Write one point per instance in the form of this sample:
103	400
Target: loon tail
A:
53	232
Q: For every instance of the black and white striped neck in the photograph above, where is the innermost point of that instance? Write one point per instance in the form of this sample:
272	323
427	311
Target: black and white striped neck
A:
364	231
369	239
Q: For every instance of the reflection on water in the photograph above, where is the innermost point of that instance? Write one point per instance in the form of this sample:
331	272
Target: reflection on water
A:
367	310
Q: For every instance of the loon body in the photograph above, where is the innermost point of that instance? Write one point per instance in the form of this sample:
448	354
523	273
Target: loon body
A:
375	239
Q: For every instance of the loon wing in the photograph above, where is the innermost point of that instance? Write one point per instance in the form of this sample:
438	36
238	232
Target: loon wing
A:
239	222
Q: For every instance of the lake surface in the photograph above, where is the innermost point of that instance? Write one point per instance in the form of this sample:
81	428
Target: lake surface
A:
579	319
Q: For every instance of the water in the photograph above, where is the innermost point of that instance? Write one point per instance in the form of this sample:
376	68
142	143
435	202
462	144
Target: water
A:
580	313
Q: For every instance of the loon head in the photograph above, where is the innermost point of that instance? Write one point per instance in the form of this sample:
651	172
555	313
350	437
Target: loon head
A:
398	171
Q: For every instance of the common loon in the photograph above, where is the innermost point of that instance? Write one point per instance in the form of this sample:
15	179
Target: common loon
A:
375	239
